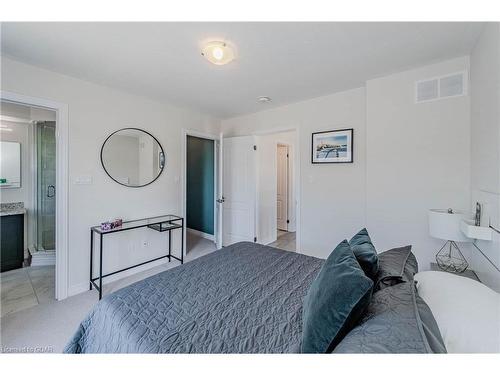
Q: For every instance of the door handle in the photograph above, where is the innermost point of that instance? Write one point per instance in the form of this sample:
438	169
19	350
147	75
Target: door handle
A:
51	191
221	200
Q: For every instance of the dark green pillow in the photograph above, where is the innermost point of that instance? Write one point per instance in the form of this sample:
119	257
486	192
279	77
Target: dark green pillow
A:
363	249
335	301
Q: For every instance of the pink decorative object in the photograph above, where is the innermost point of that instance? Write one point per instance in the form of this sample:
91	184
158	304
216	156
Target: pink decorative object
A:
106	225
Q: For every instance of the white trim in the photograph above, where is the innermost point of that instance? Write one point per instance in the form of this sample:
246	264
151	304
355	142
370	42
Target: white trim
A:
195	133
198	233
78	288
84	287
62	175
43	258
267	241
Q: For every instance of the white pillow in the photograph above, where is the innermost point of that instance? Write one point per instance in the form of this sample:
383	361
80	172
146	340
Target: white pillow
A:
466	311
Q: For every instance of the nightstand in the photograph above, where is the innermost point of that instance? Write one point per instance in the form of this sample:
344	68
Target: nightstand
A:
467	273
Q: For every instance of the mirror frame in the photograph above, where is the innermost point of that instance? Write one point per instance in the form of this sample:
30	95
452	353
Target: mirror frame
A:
152	136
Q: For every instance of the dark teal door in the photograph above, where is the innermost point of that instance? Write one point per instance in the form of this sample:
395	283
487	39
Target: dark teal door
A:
200	184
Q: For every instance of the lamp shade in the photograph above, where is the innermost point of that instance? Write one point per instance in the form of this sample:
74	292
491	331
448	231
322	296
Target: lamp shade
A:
446	226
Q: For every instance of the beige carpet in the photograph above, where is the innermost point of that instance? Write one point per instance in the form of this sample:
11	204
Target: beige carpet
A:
47	327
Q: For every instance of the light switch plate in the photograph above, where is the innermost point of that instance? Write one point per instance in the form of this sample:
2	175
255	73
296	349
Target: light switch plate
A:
83	180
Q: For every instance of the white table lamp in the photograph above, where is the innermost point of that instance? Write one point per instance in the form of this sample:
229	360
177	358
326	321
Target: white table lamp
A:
445	225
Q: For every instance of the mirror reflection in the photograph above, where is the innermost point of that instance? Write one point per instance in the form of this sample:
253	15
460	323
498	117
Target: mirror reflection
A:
132	157
10	164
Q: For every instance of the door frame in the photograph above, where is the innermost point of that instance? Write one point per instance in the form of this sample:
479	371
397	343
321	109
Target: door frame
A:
62	175
215	138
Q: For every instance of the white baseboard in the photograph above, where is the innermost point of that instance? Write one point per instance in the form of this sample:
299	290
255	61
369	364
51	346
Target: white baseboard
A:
73	290
83	287
43	258
195	232
267	241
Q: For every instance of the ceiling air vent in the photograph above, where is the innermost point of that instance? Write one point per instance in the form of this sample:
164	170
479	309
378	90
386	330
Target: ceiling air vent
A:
442	87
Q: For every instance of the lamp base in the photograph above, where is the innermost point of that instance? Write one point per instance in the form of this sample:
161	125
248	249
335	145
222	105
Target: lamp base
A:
450	258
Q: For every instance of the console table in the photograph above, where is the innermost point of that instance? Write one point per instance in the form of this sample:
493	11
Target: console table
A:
166	223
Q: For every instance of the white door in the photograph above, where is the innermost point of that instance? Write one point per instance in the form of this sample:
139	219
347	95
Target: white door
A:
282	188
239	190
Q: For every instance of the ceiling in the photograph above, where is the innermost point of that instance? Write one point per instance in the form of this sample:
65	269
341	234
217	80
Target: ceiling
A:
288	62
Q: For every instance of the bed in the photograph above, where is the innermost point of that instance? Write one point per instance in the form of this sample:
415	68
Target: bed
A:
246	298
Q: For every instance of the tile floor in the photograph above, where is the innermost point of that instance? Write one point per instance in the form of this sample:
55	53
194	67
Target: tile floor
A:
285	241
26	287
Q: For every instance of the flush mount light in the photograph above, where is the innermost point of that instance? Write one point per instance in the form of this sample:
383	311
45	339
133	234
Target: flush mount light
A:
263	99
218	53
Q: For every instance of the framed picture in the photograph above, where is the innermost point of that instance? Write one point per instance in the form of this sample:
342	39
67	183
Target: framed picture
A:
334	146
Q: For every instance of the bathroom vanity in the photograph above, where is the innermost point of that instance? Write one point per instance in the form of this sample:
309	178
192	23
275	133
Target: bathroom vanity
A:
12	235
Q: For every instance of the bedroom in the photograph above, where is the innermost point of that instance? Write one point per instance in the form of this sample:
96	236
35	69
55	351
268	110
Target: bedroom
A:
301	134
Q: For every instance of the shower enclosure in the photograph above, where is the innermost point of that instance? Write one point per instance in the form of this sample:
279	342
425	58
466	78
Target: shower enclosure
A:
45	138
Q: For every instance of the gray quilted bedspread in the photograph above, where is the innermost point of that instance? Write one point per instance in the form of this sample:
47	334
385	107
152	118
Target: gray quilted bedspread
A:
246	298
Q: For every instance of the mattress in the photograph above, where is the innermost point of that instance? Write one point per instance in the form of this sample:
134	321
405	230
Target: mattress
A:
246	298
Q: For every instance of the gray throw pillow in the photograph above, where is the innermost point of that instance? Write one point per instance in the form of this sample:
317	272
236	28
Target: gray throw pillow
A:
362	247
396	266
396	321
335	301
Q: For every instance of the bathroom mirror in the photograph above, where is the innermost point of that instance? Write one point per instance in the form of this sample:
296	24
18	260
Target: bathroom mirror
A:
132	157
10	164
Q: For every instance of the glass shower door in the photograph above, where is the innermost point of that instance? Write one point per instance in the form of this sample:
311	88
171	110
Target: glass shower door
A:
46	185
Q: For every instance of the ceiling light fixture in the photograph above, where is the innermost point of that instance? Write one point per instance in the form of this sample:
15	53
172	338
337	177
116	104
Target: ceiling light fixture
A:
263	99
218	53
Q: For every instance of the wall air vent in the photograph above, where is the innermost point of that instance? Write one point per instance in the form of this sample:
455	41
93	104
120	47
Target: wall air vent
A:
443	87
427	90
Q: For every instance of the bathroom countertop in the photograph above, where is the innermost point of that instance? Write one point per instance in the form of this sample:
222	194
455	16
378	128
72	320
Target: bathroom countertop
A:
7	209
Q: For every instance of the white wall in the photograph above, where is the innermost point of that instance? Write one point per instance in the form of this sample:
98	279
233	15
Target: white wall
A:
94	112
407	158
485	146
267	184
418	157
332	196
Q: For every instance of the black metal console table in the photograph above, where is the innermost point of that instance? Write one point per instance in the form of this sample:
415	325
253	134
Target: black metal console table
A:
165	223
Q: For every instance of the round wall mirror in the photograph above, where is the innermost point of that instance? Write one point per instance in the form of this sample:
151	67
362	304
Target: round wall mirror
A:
132	157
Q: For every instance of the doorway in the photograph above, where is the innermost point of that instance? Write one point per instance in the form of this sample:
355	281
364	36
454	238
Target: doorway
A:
28	197
60	111
200	193
249	182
